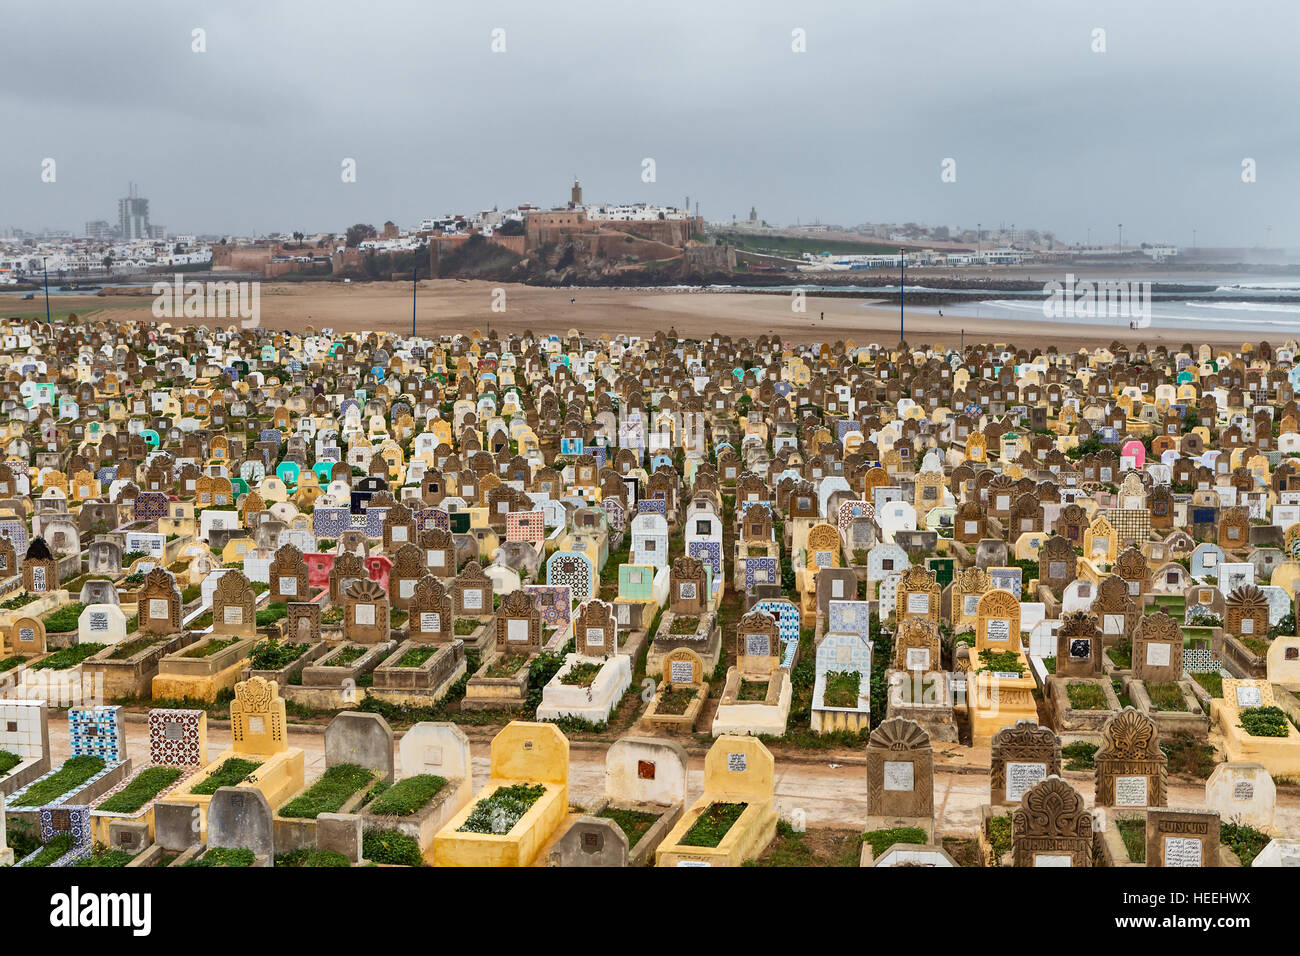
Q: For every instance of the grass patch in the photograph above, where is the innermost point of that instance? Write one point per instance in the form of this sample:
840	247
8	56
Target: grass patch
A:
674	701
506	666
272	613
391	846
684	625
106	858
999	833
8	761
581	675
312	858
416	656
67	658
347	656
463	627
1086	696
1079	755
208	648
229	774
1134	835
225	856
73	773
713	824
1212	682
146	785
1166	695
502	809
1118	686
1001	662
633	823
804	848
1245	841
408	796
1256	645
64	619
842	688
329	793
130	648
9	663
1121	653
58	846
882	840
1187	756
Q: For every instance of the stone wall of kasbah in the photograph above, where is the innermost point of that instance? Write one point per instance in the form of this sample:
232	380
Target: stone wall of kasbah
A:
241	258
541	228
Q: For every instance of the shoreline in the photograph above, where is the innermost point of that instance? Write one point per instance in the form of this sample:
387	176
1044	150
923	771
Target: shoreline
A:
451	306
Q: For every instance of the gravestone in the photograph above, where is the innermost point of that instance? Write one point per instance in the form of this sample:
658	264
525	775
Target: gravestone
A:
362	739
241	817
900	774
1022	756
1158	648
1242	793
1182	838
1051	826
1131	769
591	841
1078	646
159	604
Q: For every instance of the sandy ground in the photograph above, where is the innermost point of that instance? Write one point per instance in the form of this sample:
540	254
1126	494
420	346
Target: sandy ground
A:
449	306
830	795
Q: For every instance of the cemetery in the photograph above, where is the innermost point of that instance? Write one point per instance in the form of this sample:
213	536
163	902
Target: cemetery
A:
1066	580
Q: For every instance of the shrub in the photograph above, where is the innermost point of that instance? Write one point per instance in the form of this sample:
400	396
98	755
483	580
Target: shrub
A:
1245	841
502	809
273	654
1264	721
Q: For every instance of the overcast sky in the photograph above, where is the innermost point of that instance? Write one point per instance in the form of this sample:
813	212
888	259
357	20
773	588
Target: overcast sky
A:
249	136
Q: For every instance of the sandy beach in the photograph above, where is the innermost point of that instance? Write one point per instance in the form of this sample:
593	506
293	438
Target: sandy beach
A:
448	306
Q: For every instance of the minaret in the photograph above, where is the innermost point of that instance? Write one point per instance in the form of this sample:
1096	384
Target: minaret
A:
575	195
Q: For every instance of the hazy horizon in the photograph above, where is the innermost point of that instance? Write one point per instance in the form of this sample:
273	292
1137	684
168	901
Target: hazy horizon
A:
248	137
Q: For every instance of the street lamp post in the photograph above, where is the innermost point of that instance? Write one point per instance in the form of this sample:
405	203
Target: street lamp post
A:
902	286
45	269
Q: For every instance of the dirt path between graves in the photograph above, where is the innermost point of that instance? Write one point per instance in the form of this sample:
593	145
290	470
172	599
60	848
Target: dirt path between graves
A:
830	795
